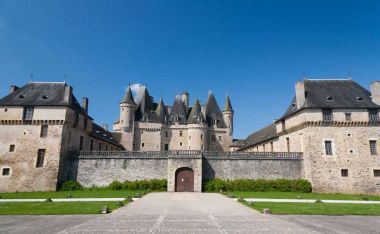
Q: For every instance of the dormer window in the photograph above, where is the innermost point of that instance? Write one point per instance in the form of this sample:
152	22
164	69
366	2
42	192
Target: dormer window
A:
359	98
329	98
21	96
327	115
44	97
373	115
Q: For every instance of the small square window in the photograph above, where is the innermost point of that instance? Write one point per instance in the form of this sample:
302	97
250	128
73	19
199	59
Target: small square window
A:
344	172
348	116
5	110
327	115
180	133
376	173
12	148
180	144
142	144
6	171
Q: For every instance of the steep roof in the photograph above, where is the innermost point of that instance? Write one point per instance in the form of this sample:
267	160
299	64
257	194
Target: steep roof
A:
101	133
213	111
227	104
145	104
195	113
128	98
333	94
264	134
161	111
178	110
41	94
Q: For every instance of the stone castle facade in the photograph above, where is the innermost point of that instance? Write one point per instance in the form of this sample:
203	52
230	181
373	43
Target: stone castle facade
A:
148	126
329	135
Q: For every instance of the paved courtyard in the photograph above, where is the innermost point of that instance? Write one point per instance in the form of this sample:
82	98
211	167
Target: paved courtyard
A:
187	213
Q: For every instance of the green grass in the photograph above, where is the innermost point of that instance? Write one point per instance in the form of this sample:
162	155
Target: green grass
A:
74	194
55	208
294	195
316	208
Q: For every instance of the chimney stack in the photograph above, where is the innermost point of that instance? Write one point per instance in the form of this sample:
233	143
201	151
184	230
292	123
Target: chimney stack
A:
68	94
105	126
13	88
375	92
300	94
85	104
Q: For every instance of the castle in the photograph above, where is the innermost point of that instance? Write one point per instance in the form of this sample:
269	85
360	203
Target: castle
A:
148	126
329	135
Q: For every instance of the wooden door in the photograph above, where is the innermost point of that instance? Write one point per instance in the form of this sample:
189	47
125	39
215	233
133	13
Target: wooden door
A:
184	180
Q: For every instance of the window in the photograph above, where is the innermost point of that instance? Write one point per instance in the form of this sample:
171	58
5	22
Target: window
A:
6	171
271	147
180	144
327	115
100	146
142	144
372	115
344	172
166	134
85	122
40	158
201	147
81	142
91	145
5	110
328	148
376	173
283	125
213	137
288	144
201	136
166	147
107	147
28	113
180	133
12	148
263	148
220	138
348	116
189	137
44	130
76	118
372	147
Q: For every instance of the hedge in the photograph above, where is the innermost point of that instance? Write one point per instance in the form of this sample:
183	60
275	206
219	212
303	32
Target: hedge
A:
71	185
142	185
260	185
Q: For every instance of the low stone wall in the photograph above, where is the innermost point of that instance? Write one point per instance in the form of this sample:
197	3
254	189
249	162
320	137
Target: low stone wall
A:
101	168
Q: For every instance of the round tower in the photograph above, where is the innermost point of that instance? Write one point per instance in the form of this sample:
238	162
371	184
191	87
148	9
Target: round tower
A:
197	128
127	112
228	116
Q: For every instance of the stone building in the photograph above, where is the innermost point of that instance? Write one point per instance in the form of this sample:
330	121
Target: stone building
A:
145	125
335	124
40	123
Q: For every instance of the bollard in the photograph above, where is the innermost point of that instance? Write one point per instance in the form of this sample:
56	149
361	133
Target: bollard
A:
266	211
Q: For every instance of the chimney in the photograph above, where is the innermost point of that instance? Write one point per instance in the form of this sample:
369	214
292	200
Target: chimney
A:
105	126
300	94
68	94
85	104
13	88
185	98
375	92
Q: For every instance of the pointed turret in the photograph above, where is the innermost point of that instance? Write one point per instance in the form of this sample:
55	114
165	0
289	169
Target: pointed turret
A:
128	98
227	104
195	115
178	112
145	104
214	116
161	111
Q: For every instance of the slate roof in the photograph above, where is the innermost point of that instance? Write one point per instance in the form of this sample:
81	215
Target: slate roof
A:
227	104
41	94
128	98
101	133
145	105
161	112
178	110
213	111
264	134
195	113
334	94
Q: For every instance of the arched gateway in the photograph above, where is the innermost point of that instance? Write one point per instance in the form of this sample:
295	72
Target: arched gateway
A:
184	180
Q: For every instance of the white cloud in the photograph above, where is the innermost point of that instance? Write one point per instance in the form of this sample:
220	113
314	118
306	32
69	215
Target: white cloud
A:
135	87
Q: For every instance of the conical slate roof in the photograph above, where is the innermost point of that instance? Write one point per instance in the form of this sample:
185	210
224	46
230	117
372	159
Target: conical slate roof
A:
227	104
145	105
128	98
195	113
213	111
161	111
178	110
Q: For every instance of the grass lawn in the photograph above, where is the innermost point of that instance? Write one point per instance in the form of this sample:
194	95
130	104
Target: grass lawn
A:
316	208
74	194
55	208
293	195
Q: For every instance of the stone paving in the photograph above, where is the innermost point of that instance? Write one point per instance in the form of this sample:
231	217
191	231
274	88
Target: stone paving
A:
187	213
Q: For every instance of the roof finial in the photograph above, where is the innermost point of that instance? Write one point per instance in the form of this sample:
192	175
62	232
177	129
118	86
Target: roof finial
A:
65	77
304	75
349	76
31	77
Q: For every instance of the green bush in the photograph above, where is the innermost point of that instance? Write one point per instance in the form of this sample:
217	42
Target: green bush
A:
71	185
141	185
260	185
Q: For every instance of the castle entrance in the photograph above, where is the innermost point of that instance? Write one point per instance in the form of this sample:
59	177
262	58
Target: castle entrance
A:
184	180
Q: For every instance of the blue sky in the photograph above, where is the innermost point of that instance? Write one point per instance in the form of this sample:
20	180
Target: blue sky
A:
253	50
